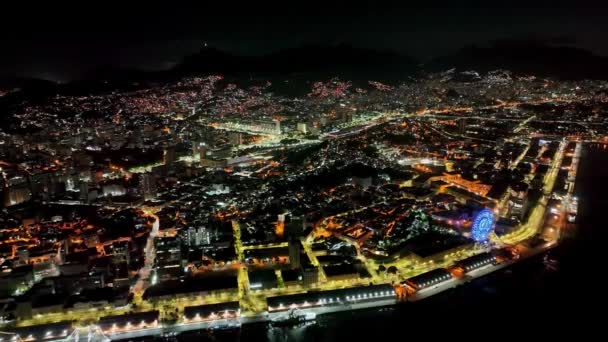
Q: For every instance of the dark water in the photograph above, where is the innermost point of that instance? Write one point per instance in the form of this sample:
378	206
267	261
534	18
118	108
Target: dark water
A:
532	300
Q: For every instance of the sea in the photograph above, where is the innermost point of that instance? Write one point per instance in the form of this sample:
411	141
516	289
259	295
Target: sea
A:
561	294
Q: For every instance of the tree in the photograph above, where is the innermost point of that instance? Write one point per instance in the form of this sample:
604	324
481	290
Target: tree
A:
381	268
392	270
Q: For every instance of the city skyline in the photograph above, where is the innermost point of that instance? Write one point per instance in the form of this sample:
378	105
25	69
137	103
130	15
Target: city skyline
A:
302	176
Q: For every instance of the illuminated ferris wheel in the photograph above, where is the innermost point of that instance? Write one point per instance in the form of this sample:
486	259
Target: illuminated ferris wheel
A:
483	224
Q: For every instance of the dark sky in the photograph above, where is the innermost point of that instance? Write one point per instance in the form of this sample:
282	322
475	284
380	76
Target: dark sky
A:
60	43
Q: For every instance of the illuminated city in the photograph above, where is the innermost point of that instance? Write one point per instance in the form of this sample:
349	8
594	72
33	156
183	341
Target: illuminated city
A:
211	201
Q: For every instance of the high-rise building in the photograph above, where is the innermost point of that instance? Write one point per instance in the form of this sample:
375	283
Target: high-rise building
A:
198	236
65	250
462	126
202	154
518	200
295	249
302	127
310	275
168	262
220	153
169	155
24	255
199	148
121	252
295	226
17	194
70	183
84	192
362	182
235	138
147	186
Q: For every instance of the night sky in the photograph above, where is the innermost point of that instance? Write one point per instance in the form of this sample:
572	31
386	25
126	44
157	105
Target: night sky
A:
55	43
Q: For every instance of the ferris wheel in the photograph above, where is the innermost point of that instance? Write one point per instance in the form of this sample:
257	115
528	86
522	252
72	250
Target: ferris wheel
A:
483	225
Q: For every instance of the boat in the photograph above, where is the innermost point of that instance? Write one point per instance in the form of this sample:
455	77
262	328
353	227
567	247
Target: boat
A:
293	317
226	325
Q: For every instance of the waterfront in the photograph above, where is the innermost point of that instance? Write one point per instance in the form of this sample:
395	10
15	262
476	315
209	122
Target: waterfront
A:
548	295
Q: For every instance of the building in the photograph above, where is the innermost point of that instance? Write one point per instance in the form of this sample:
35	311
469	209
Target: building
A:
255	126
198	236
383	293
214	163
84	192
147	186
462	126
310	275
455	179
121	252
428	279
224	152
168	262
295	226
477	261
235	138
23	255
362	182
127	322
113	190
295	250
16	281
302	127
341	272
169	155
209	312
262	279
194	286
60	331
17	194
292	277
199	148
270	255
518	195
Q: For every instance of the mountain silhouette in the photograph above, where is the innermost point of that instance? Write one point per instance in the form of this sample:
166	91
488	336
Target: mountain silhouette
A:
527	57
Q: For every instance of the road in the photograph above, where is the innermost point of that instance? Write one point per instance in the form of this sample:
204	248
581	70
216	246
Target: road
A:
535	220
150	255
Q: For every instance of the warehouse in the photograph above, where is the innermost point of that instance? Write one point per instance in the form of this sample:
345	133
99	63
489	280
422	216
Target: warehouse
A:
134	321
212	311
43	332
331	298
428	279
477	261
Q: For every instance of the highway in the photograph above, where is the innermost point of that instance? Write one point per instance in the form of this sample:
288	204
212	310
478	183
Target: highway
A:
533	225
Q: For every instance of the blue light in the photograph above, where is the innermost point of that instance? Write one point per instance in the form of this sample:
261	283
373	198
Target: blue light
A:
483	223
